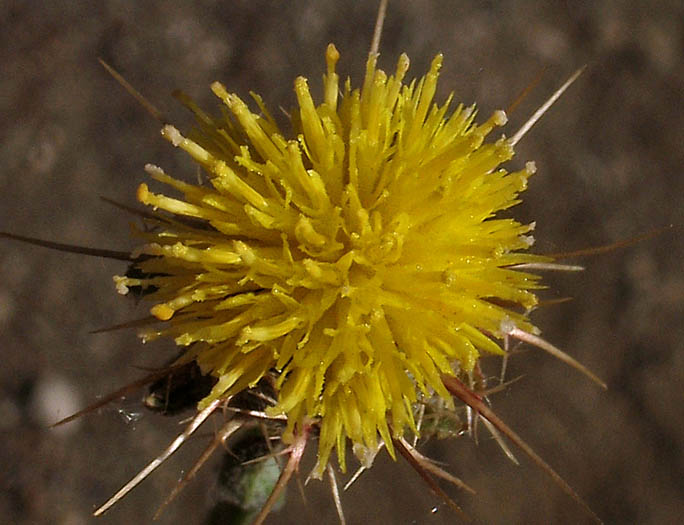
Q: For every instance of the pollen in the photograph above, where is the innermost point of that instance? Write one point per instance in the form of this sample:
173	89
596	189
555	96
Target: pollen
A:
358	259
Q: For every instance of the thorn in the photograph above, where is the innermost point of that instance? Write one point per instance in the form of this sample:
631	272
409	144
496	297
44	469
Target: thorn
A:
175	445
356	475
419	424
260	395
548	266
145	321
458	389
134	211
258	414
430	466
302	491
504	360
420	469
271	455
503	385
149	107
552	302
626	243
499	440
336	494
292	465
521	96
544	107
361	469
377	32
532	339
221	437
70	248
150	378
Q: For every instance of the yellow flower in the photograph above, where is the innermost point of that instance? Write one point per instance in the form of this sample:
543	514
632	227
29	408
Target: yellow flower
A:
360	259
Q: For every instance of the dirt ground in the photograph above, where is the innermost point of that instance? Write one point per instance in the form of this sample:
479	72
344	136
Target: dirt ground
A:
609	158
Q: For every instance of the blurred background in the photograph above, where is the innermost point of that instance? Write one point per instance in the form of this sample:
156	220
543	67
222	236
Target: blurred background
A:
609	158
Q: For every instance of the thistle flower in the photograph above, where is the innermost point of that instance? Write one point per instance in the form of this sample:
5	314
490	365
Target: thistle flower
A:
359	258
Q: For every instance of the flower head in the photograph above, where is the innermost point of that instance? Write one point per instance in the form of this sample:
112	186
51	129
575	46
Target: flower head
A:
359	259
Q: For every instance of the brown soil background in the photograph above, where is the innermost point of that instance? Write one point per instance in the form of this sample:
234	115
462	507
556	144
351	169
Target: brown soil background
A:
609	159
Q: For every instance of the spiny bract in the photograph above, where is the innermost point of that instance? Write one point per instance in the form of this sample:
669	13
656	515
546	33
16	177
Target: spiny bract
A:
360	260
